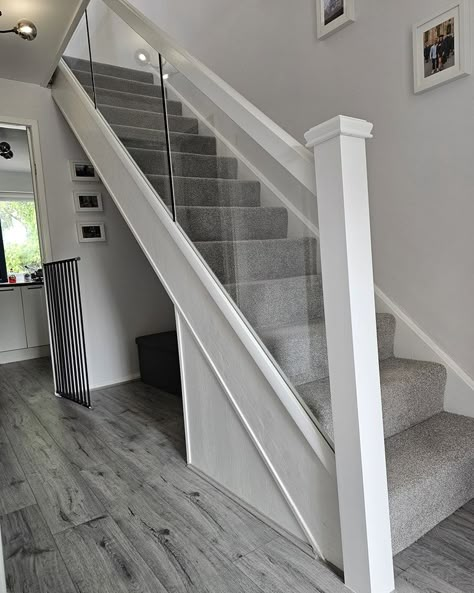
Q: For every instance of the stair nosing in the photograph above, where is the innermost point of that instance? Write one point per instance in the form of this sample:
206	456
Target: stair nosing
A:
115	78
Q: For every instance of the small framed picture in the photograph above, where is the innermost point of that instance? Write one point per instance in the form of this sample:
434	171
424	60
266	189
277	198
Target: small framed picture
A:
441	48
83	171
91	232
333	15
88	201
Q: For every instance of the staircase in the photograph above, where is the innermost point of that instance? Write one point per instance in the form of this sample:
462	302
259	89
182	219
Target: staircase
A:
273	278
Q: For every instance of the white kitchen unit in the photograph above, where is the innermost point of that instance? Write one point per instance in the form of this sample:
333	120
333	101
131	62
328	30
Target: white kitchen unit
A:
36	320
23	322
12	321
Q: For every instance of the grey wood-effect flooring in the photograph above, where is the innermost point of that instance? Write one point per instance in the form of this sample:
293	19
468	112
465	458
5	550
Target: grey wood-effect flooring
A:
101	501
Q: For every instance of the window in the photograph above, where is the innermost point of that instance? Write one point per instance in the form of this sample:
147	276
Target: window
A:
19	244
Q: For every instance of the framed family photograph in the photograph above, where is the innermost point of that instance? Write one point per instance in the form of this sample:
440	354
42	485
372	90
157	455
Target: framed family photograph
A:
333	15
441	48
88	201
83	171
91	232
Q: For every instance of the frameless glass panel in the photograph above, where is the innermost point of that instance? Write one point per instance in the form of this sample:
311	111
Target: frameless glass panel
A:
77	56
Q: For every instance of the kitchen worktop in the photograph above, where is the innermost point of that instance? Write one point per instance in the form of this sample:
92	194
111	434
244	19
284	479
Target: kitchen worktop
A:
13	284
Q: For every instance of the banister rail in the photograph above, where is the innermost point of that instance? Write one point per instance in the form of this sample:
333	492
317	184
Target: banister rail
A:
285	149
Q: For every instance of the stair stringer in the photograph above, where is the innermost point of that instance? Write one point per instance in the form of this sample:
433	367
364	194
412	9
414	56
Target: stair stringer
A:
295	452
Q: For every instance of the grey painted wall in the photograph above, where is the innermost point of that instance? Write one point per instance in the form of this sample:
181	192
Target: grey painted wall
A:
420	161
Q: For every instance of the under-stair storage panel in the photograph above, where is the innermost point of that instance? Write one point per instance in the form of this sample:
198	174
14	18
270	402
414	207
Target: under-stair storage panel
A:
36	320
12	324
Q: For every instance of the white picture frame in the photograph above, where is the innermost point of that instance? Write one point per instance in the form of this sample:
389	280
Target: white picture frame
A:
83	171
333	15
86	201
91	232
454	26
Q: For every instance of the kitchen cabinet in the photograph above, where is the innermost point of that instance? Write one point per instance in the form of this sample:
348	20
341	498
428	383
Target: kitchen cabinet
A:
36	320
12	322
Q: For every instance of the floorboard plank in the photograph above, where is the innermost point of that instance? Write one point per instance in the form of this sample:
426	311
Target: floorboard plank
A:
32	561
62	494
15	492
102	560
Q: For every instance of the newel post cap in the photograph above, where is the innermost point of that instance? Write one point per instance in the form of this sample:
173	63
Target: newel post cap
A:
340	125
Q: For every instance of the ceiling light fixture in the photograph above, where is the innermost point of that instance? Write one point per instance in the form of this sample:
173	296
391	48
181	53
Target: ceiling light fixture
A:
24	29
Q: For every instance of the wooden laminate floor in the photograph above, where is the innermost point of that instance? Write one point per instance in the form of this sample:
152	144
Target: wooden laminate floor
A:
101	501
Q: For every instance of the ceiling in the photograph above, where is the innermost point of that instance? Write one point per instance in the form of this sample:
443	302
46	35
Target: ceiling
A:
18	140
35	61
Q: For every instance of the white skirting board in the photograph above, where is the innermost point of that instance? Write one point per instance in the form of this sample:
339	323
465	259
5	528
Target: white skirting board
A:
412	342
24	354
3	584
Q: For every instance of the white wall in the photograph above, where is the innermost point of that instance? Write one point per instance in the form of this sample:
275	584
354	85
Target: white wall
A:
122	297
420	161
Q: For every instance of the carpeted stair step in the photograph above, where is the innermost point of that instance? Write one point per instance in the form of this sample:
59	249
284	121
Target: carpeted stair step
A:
430	470
204	223
412	391
279	302
109	70
102	81
155	162
300	349
156	140
243	261
148	119
134	101
196	191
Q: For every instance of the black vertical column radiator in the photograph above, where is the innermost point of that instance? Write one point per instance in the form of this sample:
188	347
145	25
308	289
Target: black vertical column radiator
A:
67	330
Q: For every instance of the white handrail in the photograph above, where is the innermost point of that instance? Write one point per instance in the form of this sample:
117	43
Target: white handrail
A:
285	149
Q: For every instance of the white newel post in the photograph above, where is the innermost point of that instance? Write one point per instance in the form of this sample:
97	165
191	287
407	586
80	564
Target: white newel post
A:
349	305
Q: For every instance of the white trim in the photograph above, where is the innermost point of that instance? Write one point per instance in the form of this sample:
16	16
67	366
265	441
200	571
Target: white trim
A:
462	53
17	196
68	33
184	386
285	149
341	125
120	381
302	545
3	582
412	342
345	19
24	354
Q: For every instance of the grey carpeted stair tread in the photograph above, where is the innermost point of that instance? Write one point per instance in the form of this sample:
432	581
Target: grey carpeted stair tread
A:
155	162
148	119
134	101
196	191
300	349
156	140
102	81
109	70
239	261
205	223
281	301
430	470
412	391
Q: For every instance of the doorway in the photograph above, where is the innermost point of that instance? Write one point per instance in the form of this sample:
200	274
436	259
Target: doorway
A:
23	316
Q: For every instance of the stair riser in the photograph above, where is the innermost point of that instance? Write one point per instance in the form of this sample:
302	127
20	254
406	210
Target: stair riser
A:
155	162
109	70
191	143
118	84
303	355
150	121
260	260
132	101
279	302
208	192
226	224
